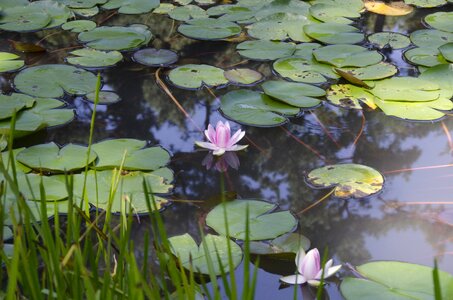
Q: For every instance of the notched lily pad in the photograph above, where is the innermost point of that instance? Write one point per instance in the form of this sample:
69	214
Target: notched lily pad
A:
300	69
91	58
209	29
265	50
197	76
347	56
332	33
9	62
14	103
79	26
293	93
440	20
374	72
392	40
348	180
284	246
243	76
155	57
132	6
348	96
263	224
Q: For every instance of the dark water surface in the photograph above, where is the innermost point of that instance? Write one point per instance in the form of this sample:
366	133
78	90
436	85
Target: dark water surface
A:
404	222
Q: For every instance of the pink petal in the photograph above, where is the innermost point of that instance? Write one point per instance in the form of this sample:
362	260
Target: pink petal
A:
237	136
293	279
206	145
210	134
310	264
222	136
232	160
300	258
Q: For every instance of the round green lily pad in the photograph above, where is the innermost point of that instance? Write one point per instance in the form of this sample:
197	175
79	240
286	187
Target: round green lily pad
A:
409	89
300	69
279	30
52	81
132	6
105	97
79	26
441	21
209	29
395	280
9	62
447	51
424	56
14	103
392	40
91	58
294	93
431	38
426	3
214	249
341	14
265	50
256	109
347	56
348	180
155	57
23	18
285	245
59	13
243	76
81	3
187	12
374	72
116	37
86	12
130	154
263	224
332	33
197	76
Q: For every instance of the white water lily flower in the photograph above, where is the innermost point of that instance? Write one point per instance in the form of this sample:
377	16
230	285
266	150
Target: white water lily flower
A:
220	139
309	268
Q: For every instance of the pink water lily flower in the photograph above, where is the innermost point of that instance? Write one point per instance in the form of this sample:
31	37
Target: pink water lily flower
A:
220	139
309	268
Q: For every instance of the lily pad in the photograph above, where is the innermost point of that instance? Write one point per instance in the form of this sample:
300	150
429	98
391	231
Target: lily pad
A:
409	89
79	26
243	76
116	37
58	13
280	30
300	69
105	97
348	96
333	33
441	21
194	257
81	3
265	50
49	157
373	72
447	51
341	14
155	57
293	93
232	12
9	62
286	244
187	12
395	280
197	76
256	109
392	40
53	81
23	18
424	56
209	29
431	38
14	103
348	180
426	3
263	224
86	12
347	56
130	154
132	6
20	168
91	58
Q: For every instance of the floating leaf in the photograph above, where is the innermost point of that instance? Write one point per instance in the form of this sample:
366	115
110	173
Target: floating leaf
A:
333	33
79	26
14	103
130	154
390	9
53	81
193	257
409	89
58	13
49	157
334	13
347	56
23	18
86	12
441	21
265	50
286	244
348	96
431	38
155	57
393	40
187	12
21	168
280	30
209	29
303	70
263	224
243	76
132	6
373	72
116	37
293	93
9	62
232	12
197	76
425	3
91	58
424	56
164	8
348	180
81	3
253	108
105	97
395	280
447	51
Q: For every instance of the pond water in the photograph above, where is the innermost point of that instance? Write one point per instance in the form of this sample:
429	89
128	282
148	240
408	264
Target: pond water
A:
410	220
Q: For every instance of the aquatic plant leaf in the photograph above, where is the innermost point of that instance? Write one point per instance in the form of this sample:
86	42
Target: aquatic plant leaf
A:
348	96
285	245
14	3
49	157
86	12
263	224
392	40
52	81
256	109
347	56
243	76
294	93
355	5
333	33
389	9
232	12
424	56
103	192
441	21
300	69
341	14
415	111
14	103
155	57
81	3
280	30
116	37
425	3
195	258
409	89
164	9
209	29
265	50
305	50
20	168
23	18
132	6
348	180
447	51
187	12
9	62
7	234
196	76
431	38
183	2
26	47
443	76
58	13
79	26
105	97
91	58
395	280
130	154
374	72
